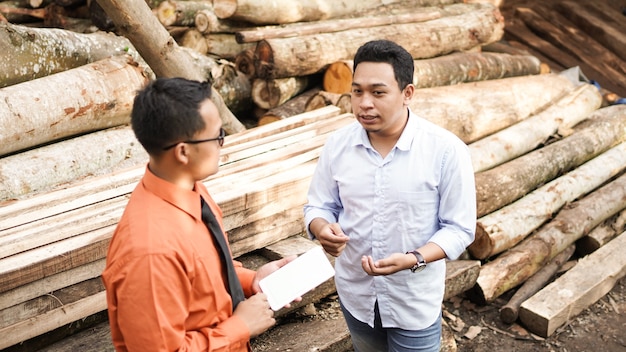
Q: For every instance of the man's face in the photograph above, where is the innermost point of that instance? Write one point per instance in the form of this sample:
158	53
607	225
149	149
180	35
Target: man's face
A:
377	101
205	156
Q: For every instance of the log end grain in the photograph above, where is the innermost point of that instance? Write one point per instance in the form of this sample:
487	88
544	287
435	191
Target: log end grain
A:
338	77
483	245
264	59
224	8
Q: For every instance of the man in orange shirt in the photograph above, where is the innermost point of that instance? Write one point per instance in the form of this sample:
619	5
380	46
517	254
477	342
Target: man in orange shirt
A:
167	288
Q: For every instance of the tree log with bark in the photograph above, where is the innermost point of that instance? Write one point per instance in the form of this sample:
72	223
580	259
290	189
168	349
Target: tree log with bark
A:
526	135
31	53
446	70
134	19
508	226
500	187
44	168
304	55
269	94
335	25
96	96
515	266
290	11
464	110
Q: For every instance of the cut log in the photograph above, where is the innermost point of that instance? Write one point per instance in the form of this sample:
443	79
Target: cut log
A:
96	96
269	94
510	311
31	53
601	235
597	24
289	11
304	55
336	25
445	70
471	67
324	98
233	86
575	290
463	110
510	181
582	46
45	168
135	20
206	21
526	135
461	275
292	107
507	226
338	77
221	45
516	265
181	13
244	61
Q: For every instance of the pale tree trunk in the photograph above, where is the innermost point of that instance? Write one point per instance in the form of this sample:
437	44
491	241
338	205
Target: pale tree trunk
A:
512	268
269	94
50	166
445	70
507	226
335	25
510	181
95	96
135	20
30	52
299	56
475	110
526	135
181	13
222	45
290	11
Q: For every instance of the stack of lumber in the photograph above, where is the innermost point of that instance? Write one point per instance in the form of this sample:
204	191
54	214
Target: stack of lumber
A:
568	33
548	152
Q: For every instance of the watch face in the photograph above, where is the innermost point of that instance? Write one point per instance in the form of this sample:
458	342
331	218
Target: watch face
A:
419	267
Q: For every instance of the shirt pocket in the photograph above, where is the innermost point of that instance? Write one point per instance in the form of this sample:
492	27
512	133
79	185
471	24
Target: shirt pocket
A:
418	215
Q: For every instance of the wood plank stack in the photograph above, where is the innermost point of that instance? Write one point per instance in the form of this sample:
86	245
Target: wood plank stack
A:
547	151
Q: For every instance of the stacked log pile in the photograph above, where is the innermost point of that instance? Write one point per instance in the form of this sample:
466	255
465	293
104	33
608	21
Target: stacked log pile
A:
548	153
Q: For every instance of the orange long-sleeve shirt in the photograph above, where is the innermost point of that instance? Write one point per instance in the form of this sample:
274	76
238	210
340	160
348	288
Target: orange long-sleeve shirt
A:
163	276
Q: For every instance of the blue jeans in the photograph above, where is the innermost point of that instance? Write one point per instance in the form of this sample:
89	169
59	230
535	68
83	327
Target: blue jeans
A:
379	339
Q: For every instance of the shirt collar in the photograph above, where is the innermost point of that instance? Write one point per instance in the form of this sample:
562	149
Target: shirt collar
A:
405	140
184	199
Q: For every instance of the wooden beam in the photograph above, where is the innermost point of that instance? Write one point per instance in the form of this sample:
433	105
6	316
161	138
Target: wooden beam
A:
575	290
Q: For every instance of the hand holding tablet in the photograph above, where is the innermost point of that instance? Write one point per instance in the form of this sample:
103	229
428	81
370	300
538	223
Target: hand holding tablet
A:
296	278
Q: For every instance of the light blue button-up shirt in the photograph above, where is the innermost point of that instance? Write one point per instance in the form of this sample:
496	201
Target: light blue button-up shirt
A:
422	191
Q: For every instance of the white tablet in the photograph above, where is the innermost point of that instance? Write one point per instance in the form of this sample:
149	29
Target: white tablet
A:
297	277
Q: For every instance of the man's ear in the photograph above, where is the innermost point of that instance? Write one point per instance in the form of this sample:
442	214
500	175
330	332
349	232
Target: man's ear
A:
181	153
408	92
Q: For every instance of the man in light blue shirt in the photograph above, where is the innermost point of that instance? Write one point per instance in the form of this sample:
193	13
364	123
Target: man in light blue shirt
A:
391	197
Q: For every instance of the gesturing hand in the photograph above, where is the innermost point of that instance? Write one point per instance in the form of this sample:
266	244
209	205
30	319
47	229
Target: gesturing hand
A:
332	239
389	265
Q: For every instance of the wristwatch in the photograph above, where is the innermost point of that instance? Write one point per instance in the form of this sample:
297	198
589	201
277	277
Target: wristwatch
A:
421	263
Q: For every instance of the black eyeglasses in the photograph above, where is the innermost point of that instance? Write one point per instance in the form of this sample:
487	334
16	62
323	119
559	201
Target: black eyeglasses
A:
219	139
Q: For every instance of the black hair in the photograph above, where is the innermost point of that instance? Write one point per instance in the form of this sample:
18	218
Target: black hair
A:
167	111
388	52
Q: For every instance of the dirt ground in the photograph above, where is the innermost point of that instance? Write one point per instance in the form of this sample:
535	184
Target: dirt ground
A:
599	328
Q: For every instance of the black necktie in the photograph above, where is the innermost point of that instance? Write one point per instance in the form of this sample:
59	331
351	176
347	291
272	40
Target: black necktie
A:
234	286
